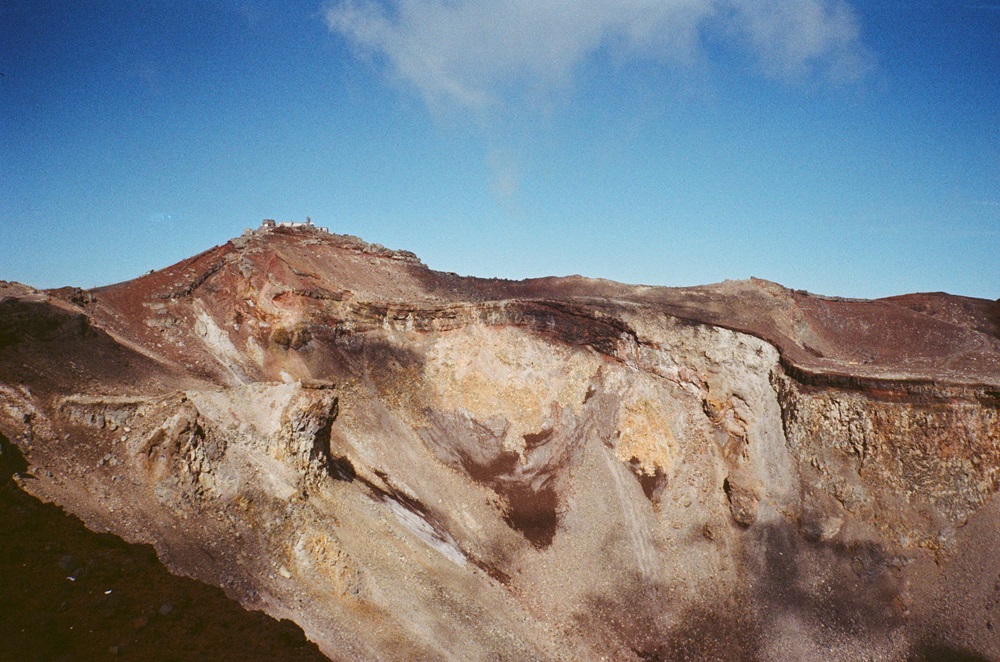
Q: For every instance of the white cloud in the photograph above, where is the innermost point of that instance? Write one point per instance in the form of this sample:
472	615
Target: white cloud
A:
794	37
474	53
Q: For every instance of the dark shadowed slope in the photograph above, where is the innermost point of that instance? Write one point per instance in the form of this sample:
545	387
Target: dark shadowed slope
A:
67	593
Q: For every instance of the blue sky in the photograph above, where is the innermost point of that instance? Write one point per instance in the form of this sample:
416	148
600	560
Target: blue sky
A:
848	148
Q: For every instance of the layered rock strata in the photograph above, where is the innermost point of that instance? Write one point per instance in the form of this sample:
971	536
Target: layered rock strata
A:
416	465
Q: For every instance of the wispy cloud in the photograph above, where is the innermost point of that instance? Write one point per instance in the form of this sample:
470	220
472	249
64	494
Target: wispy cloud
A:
796	39
505	176
475	53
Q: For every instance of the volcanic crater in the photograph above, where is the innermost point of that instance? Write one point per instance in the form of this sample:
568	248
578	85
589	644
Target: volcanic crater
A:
395	463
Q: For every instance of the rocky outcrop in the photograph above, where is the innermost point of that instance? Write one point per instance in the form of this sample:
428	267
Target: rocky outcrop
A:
914	461
413	465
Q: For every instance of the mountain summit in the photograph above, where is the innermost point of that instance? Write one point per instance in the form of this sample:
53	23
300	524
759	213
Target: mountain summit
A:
416	465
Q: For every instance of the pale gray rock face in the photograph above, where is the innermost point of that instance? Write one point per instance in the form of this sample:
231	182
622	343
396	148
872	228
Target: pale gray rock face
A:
412	465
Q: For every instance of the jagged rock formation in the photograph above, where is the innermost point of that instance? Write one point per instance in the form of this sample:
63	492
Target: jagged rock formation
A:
415	465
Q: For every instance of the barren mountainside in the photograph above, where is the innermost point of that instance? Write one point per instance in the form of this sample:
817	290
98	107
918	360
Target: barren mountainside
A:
414	465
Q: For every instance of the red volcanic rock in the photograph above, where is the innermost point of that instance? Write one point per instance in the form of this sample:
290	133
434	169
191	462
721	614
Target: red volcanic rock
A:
414	465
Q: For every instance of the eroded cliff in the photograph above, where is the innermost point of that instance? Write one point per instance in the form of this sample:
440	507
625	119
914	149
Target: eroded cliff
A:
414	465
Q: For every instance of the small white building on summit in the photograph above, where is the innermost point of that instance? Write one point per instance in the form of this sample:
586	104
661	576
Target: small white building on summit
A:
270	223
